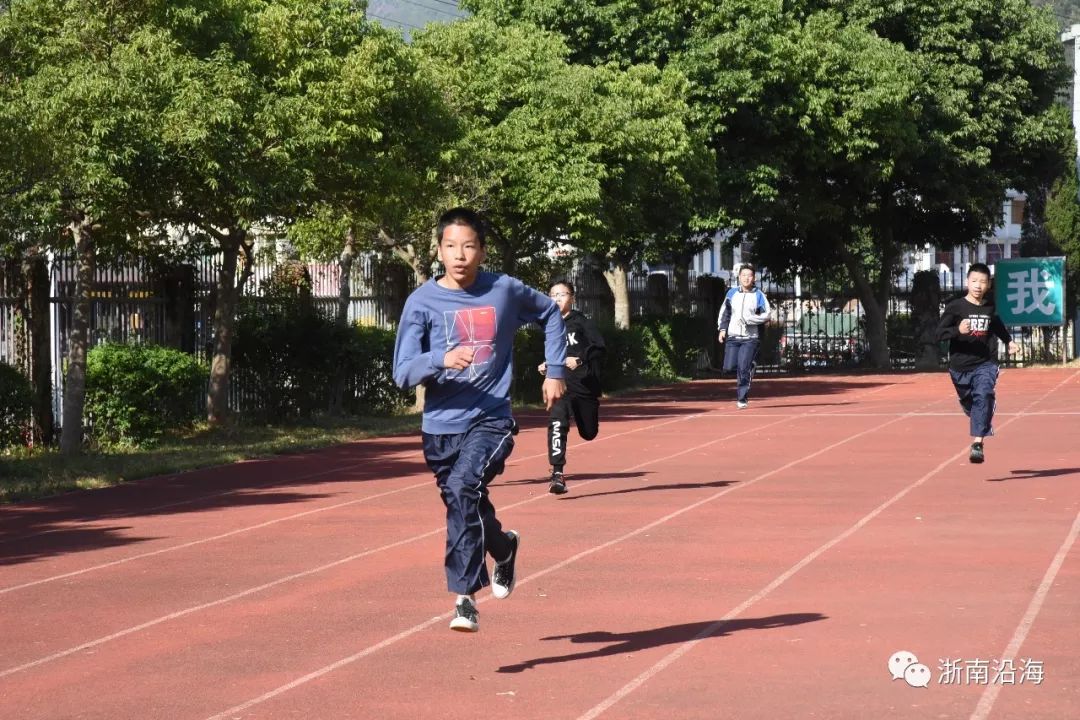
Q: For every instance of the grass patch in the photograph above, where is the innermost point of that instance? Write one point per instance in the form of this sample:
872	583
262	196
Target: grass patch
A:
32	474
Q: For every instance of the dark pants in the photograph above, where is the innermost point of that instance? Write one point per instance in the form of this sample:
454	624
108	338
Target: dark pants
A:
585	407
739	355
464	464
975	389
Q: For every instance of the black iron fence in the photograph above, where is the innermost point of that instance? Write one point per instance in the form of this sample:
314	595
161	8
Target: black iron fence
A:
815	325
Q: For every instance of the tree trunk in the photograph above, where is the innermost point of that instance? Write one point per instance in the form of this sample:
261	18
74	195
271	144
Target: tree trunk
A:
71	434
507	258
345	264
36	278
421	269
19	350
336	404
925	316
873	305
620	288
228	291
420	266
681	298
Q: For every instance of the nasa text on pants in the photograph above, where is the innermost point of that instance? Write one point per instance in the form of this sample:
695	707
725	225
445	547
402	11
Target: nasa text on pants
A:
1030	291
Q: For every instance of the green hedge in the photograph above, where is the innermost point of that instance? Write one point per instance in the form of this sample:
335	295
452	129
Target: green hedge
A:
653	349
370	362
291	362
16	406
136	392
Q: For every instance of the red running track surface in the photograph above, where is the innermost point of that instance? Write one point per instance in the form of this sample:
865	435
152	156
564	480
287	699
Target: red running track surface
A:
707	563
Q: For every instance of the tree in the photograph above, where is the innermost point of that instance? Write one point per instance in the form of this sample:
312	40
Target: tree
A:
85	80
517	160
599	32
977	81
598	157
248	127
657	172
1052	218
843	131
383	169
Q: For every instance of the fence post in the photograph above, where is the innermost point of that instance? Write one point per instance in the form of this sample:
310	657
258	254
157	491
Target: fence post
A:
926	313
657	296
1076	335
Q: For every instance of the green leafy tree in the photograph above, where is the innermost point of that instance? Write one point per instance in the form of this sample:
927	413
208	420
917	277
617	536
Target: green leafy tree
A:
84	81
843	131
1052	218
518	159
978	81
599	157
247	129
384	168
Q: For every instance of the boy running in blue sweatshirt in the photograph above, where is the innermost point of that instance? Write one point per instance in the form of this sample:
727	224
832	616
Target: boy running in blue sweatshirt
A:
456	337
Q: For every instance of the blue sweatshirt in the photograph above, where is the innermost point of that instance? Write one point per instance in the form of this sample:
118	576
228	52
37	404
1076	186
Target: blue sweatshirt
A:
486	315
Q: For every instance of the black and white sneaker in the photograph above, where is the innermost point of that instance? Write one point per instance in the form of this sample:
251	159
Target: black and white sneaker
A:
466	617
976	455
741	404
558	484
502	577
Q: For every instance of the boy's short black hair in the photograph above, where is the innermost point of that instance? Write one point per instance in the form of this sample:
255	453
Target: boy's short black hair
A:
979	268
569	285
462	216
747	266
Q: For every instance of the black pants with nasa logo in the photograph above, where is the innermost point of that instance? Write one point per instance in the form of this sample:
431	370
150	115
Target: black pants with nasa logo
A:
584	406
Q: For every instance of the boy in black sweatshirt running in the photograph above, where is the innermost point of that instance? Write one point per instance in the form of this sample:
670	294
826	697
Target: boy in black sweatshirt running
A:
973	328
584	356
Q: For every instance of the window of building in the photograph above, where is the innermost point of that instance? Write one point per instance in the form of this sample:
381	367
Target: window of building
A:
1018	206
994	252
944	257
727	257
746	250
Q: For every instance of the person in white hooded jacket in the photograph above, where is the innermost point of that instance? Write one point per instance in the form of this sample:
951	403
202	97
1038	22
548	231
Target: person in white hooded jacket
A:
744	311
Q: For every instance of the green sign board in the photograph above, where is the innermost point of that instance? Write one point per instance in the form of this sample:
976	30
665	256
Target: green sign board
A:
1030	291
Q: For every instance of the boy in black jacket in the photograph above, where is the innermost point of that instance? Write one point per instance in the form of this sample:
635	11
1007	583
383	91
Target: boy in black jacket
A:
584	356
973	328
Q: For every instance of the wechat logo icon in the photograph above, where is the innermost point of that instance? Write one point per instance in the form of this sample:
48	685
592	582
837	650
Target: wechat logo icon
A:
904	665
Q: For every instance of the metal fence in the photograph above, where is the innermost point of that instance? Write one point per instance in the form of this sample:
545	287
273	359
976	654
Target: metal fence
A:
136	301
814	325
817	325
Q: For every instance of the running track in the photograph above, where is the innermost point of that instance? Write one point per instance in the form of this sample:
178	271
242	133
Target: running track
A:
707	563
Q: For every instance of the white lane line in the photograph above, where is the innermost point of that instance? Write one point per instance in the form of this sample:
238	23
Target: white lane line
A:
235	596
674	655
312	571
989	696
558	566
237	531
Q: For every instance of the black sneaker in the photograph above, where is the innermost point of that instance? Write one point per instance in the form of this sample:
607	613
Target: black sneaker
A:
558	484
502	577
976	455
466	617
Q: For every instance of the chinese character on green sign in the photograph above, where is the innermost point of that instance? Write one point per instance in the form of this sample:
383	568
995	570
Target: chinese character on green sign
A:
1030	291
